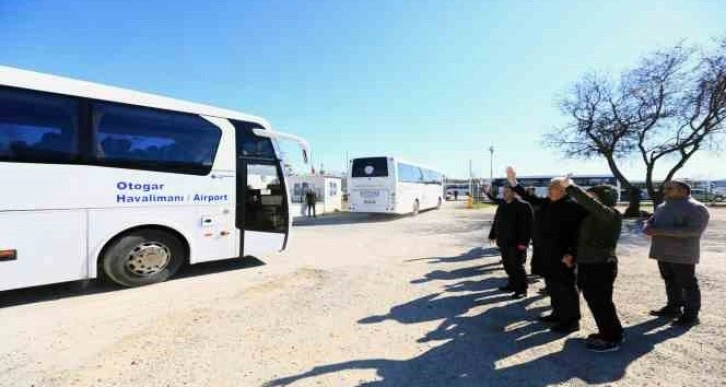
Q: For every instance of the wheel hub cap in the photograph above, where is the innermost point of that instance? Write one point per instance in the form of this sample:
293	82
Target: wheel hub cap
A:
148	259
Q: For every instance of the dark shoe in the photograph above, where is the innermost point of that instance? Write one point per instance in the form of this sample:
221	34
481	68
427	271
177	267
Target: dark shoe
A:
666	311
594	336
600	345
506	288
597	336
566	327
550	318
686	321
519	295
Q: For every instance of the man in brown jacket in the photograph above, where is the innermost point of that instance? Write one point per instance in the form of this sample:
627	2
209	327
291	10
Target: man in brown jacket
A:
676	228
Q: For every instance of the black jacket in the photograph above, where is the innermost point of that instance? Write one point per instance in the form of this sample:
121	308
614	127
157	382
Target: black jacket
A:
555	232
512	224
311	197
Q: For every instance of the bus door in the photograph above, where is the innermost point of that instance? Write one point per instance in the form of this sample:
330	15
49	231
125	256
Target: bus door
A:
262	215
262	211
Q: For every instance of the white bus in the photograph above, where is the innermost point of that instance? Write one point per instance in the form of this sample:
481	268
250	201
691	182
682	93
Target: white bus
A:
540	183
392	186
99	181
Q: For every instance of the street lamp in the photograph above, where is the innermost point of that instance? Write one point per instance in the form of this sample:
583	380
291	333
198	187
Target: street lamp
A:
491	164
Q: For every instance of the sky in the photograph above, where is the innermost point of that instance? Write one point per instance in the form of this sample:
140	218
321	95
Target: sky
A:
435	82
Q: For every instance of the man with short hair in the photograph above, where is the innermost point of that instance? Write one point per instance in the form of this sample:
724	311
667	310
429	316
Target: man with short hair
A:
556	225
512	231
676	228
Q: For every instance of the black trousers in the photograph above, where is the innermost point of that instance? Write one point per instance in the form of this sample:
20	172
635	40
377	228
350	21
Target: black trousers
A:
681	287
311	208
513	261
596	281
564	297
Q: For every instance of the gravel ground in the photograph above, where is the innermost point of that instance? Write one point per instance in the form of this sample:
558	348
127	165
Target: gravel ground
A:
358	300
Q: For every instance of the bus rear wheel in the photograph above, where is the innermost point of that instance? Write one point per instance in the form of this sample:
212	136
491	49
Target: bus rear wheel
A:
143	257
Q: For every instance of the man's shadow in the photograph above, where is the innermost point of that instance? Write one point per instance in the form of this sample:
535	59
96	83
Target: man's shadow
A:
438	305
473	254
467	272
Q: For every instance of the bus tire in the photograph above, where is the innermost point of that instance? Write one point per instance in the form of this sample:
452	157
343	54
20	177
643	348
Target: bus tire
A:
416	207
143	257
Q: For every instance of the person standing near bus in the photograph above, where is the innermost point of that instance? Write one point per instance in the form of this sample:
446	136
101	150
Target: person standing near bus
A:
556	225
596	260
676	228
311	198
456	195
511	231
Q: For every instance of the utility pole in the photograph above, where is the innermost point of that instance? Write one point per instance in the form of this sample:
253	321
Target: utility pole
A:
471	186
491	164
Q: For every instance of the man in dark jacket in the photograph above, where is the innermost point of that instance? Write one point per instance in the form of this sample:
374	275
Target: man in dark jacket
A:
676	228
597	263
311	198
556	224
511	231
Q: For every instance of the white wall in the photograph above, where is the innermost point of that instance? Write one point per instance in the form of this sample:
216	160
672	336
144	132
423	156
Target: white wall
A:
329	189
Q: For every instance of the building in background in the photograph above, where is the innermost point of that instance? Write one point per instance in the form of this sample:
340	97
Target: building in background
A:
328	188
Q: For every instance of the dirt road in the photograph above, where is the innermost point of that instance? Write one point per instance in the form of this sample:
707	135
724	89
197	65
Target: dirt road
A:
358	301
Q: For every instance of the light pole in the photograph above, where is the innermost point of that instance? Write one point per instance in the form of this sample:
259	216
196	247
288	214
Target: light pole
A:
491	164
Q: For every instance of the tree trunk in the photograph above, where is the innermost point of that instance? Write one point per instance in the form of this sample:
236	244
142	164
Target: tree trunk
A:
656	197
633	210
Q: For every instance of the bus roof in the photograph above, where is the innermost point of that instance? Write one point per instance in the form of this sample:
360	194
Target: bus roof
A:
32	80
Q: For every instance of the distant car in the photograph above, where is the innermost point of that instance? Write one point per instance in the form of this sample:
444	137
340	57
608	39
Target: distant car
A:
719	194
702	195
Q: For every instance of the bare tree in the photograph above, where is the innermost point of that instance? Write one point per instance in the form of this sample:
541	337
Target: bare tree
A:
663	111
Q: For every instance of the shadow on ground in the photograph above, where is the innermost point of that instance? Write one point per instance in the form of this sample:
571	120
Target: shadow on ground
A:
473	254
499	346
89	287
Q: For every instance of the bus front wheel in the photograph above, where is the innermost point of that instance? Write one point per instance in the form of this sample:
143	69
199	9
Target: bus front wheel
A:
143	257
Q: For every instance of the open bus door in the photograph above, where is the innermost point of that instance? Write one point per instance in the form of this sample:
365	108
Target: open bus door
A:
263	202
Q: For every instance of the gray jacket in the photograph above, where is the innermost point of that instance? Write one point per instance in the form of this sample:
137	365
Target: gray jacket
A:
677	226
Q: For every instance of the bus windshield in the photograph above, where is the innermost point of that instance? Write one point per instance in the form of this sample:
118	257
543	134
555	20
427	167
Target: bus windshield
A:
370	167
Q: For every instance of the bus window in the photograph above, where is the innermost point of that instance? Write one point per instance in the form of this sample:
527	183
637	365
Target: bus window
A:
251	146
37	127
409	174
370	167
157	140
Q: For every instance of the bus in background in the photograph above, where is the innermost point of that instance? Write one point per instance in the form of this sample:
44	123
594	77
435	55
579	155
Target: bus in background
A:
390	185
100	181
540	183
